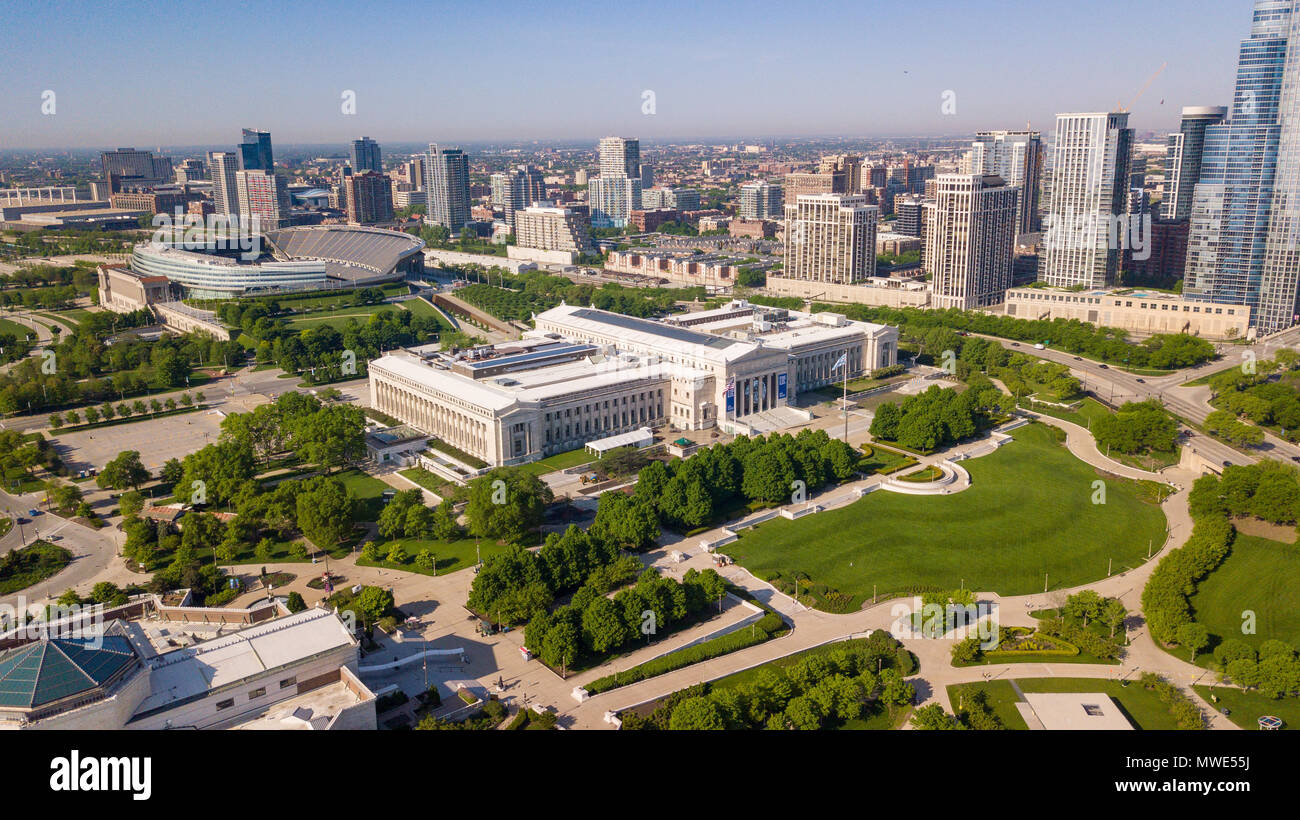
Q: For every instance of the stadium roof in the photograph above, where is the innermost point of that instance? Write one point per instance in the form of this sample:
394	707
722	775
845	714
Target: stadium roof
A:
50	670
372	249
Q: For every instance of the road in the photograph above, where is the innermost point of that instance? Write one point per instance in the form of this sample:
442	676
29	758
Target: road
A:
1116	387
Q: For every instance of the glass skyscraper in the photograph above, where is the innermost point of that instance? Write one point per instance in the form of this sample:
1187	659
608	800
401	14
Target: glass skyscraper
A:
1244	241
255	151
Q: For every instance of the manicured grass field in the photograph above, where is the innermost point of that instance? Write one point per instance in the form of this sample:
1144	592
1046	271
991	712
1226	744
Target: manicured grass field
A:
1002	699
369	492
433	483
1141	706
1260	576
19	332
1029	511
1246	708
559	461
450	555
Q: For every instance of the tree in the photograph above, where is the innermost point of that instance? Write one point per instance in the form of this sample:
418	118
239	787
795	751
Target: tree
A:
603	628
324	511
372	604
933	717
295	603
171	472
56	421
1193	637
696	714
124	471
1113	614
506	503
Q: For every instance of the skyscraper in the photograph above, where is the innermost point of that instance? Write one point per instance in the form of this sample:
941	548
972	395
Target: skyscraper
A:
616	193
447	184
1183	157
516	189
255	151
264	196
970	239
1243	246
127	166
1088	200
365	156
850	165
761	200
1017	157
612	200
830	238
620	157
369	197
223	165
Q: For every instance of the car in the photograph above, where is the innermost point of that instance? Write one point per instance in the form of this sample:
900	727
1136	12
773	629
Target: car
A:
1015	344
1141	381
1078	358
1105	367
1227	464
54	538
1295	458
33	512
1039	347
23	521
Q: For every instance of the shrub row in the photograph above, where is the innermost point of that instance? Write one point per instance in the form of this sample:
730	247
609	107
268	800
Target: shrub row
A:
764	629
1166	597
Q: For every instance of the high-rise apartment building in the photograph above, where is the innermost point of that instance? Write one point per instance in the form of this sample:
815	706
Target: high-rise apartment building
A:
1017	157
255	151
369	198
761	200
517	188
222	166
970	240
1244	240
549	228
849	165
676	199
620	157
805	184
447	186
1183	155
830	238
908	208
264	197
366	156
612	200
1087	222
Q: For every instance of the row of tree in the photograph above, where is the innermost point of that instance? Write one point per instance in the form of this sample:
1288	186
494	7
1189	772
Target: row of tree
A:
819	690
1163	351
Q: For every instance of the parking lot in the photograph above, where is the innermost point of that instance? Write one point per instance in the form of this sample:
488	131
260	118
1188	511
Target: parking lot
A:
156	440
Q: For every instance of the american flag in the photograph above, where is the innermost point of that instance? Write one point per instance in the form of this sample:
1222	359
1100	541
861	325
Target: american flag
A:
731	386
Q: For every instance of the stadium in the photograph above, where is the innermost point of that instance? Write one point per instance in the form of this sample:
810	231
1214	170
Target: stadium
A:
290	259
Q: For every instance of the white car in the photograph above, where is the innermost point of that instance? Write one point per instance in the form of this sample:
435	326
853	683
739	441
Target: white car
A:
1039	347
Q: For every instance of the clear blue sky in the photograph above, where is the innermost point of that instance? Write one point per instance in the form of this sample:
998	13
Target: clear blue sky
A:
146	74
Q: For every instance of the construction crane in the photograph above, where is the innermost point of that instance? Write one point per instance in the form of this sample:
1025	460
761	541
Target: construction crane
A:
1126	108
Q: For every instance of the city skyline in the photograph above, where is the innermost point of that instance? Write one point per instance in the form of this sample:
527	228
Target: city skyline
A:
701	85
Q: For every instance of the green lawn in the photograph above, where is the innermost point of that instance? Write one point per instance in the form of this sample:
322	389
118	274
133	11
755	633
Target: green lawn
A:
1141	706
6	524
435	484
1090	410
32	564
1002	699
1246	708
559	461
450	555
1029	511
1260	576
19	331
368	490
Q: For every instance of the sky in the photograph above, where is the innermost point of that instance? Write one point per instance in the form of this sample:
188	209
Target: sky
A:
149	74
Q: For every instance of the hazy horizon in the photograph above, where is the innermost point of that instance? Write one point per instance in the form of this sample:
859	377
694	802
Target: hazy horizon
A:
518	72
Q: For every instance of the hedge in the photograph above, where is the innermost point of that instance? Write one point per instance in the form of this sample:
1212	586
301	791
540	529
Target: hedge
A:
761	631
1165	601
